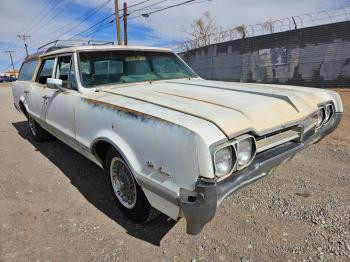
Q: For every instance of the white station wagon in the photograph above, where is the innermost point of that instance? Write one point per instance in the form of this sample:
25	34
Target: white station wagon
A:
168	140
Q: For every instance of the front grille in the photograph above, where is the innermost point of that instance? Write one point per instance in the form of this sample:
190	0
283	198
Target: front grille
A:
276	140
295	133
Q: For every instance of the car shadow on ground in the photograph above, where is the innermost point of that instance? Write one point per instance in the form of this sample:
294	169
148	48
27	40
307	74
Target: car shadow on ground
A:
90	180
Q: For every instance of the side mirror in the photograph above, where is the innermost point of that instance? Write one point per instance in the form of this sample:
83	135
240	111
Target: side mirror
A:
54	83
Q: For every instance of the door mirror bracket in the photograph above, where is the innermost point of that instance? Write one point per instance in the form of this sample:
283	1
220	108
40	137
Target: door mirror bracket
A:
55	83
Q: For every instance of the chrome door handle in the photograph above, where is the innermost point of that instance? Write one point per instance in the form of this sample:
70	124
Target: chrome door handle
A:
46	97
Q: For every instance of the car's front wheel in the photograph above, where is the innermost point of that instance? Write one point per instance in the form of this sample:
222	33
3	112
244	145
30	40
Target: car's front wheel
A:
128	195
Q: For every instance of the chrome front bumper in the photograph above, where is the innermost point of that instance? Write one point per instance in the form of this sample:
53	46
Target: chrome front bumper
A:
201	209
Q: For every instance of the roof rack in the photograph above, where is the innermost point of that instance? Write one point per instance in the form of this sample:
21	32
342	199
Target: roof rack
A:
58	44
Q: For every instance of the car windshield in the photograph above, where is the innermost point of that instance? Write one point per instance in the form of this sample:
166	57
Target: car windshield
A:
117	67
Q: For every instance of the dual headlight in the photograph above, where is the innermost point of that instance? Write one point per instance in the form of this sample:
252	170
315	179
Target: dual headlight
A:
234	156
324	114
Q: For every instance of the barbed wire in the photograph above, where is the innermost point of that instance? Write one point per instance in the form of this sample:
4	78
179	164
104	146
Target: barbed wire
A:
268	27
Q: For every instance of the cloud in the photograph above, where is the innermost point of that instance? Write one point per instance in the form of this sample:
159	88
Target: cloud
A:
43	20
160	29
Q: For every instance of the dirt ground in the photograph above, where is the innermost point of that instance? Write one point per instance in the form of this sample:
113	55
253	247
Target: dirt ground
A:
55	206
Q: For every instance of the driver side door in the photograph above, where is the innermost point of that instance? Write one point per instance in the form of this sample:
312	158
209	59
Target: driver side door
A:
60	103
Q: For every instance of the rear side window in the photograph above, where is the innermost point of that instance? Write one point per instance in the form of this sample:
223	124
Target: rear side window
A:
27	70
46	70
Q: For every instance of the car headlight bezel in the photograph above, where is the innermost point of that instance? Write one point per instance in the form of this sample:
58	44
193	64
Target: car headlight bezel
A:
329	111
321	114
233	160
324	114
239	149
235	148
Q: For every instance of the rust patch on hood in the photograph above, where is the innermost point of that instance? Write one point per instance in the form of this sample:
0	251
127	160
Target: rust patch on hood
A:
130	112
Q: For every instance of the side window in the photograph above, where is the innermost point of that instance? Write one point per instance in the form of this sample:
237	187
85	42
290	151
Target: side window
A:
65	72
27	70
45	71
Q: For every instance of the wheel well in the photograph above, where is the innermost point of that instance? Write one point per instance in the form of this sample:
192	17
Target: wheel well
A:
101	149
23	108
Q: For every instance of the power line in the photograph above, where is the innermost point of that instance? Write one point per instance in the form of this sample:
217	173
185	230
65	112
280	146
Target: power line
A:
16	57
88	29
42	17
108	17
34	23
37	16
143	8
56	14
92	29
104	19
158	7
95	27
139	3
86	18
83	17
165	8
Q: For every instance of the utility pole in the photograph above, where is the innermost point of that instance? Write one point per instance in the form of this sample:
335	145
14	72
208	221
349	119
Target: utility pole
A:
117	21
24	37
10	53
125	20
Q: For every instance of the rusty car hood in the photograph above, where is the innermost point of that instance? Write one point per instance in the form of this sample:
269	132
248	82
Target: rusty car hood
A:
231	106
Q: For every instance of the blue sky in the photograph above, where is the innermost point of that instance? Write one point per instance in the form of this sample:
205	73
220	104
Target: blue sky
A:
47	20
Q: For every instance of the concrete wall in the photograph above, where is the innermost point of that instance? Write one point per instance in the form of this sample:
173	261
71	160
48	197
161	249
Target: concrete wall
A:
315	56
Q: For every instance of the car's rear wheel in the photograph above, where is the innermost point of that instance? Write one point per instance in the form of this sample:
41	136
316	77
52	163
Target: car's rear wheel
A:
39	134
128	195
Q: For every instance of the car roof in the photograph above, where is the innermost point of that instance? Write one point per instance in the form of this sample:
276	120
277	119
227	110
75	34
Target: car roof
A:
104	48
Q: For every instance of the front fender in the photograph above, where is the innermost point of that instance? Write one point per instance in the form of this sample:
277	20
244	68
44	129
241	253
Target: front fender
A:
160	185
163	156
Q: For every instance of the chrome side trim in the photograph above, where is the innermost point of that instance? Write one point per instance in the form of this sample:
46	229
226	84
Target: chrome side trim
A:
68	140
